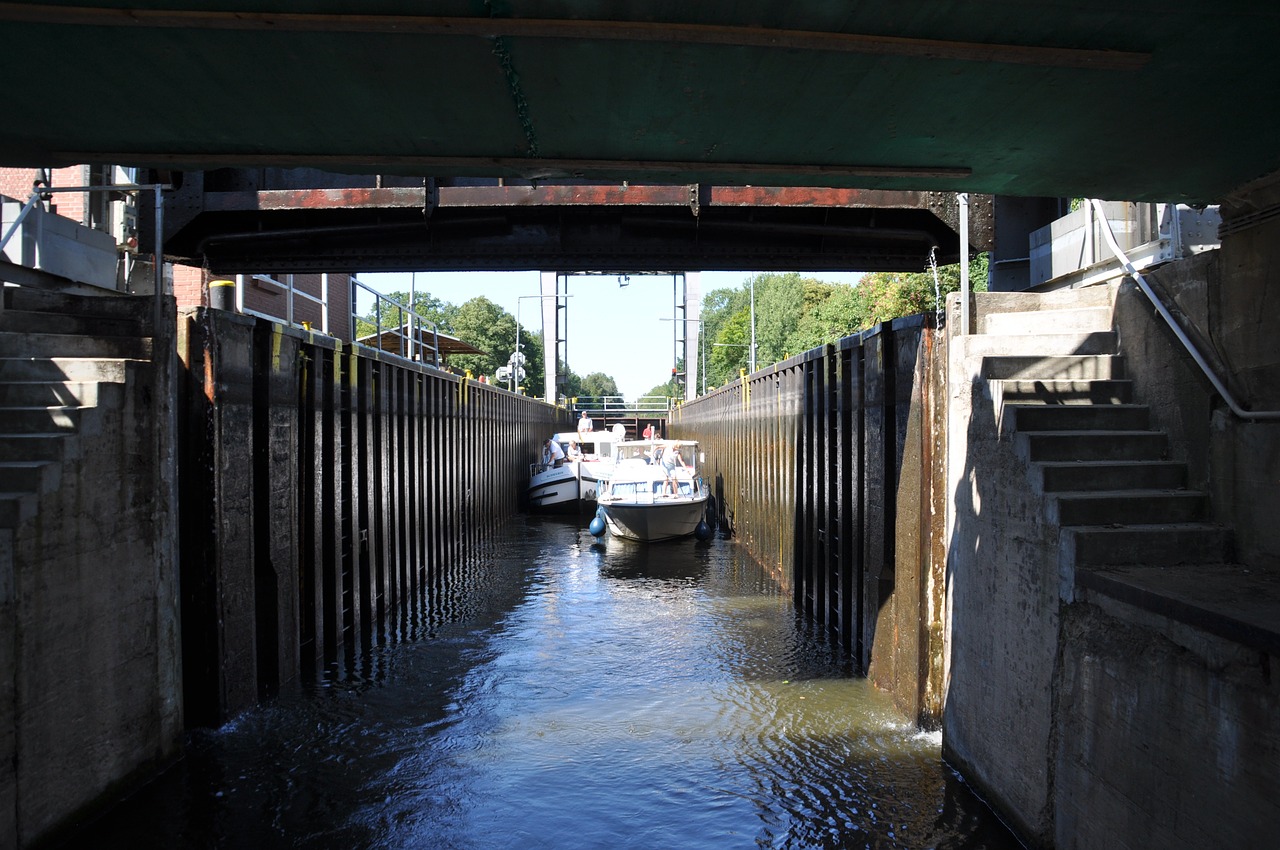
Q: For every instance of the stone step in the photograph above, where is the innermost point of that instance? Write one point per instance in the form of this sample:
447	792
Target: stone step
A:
31	447
25	321
25	476
65	345
1093	445
1233	601
38	420
1059	299
114	306
1162	545
1059	476
15	507
1041	345
100	369
1079	417
1033	391
1077	320
1057	368
49	393
1128	507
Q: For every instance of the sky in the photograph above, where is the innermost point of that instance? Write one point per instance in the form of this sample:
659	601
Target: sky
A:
612	328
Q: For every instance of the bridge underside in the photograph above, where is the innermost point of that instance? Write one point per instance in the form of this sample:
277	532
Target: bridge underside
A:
304	220
1027	98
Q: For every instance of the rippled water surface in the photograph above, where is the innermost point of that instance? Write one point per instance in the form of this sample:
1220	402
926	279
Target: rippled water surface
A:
575	694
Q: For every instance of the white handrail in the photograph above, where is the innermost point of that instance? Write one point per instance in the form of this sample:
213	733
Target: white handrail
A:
1190	346
411	342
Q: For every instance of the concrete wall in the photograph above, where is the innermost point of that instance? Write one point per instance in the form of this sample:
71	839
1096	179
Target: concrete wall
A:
1166	735
828	466
1123	718
88	599
329	495
1002	600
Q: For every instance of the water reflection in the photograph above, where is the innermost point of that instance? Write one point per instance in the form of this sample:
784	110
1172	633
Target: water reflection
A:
577	694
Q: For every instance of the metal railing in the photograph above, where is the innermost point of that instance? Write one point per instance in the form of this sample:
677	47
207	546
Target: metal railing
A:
1165	314
408	328
616	405
42	193
291	293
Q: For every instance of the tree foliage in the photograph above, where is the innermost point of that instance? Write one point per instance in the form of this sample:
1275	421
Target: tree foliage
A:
482	324
598	384
794	313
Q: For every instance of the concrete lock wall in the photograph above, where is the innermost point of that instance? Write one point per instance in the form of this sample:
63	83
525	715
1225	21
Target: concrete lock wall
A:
89	648
1097	718
828	467
329	495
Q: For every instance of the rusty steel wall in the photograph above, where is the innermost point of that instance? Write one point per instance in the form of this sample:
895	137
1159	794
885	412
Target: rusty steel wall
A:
330	500
827	466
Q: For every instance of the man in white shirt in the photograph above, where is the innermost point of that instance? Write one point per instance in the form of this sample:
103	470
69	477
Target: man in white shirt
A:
552	454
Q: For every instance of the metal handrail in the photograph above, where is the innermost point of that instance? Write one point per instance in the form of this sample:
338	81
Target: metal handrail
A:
616	405
1164	312
292	294
158	188
408	329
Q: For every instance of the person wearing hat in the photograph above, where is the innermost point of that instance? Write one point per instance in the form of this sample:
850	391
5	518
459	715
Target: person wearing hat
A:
552	454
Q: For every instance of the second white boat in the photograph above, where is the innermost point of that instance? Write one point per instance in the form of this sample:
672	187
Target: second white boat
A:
655	492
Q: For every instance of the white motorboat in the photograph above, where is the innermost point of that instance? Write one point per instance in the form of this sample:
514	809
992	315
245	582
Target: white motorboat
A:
572	482
655	492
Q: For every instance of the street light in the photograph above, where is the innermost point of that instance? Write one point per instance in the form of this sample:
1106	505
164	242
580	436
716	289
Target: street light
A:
752	356
515	366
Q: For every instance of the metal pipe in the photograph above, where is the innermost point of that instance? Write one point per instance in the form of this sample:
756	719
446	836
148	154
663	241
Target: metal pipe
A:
965	296
158	297
1218	385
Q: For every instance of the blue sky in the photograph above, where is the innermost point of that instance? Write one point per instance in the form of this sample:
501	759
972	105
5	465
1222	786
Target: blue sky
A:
618	330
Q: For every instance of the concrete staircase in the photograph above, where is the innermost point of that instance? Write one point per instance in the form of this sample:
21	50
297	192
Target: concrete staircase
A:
61	356
1102	468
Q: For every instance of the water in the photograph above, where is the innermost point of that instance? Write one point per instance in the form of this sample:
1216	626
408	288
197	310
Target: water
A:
575	695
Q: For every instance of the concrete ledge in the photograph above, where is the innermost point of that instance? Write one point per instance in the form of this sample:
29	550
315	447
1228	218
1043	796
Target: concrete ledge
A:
1227	600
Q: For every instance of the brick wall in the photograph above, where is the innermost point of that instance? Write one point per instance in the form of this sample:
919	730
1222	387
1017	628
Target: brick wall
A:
268	295
17	183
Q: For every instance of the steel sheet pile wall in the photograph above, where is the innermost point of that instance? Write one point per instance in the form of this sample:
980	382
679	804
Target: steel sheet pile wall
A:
331	500
827	466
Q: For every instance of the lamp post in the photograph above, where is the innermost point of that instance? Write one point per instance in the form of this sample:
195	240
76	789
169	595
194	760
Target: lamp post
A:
512	381
751	358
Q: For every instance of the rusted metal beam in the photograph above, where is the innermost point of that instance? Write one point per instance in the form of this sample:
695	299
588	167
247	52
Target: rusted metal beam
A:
315	199
566	195
663	32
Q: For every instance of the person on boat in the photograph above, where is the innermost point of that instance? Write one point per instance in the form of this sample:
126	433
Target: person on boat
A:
574	453
648	431
670	460
552	454
585	424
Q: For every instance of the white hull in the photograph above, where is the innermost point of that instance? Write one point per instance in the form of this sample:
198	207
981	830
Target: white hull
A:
663	519
554	489
567	487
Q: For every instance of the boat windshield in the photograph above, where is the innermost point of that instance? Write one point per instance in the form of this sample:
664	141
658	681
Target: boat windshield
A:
623	489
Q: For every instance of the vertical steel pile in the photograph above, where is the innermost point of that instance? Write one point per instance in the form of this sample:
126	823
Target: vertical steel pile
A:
828	466
331	498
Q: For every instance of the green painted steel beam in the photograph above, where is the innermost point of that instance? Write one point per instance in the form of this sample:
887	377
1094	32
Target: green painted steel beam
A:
1144	101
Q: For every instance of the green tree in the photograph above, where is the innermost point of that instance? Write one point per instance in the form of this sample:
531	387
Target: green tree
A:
486	326
424	304
599	384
